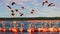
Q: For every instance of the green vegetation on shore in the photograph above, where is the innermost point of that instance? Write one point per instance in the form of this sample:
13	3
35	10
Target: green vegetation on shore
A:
36	18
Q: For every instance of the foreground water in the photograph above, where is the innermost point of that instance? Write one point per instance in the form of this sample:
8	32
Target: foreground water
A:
30	33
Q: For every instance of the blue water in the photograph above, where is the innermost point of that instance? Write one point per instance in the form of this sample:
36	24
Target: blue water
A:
38	24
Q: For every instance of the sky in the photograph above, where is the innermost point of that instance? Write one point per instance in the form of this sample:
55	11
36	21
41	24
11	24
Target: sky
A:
40	11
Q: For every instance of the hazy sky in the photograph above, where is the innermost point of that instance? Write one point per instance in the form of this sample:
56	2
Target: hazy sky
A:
40	11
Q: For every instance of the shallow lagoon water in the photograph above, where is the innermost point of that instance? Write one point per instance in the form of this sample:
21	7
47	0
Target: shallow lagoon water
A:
30	33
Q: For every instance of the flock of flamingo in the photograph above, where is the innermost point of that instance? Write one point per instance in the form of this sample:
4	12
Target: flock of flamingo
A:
32	11
31	28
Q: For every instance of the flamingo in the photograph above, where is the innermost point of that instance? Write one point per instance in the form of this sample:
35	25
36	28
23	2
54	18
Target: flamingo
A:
44	2
21	14
13	3
32	11
51	4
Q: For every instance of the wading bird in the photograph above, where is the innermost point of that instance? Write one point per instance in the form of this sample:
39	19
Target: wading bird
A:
21	29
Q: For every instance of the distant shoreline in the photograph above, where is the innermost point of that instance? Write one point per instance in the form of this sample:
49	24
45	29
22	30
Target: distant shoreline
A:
34	18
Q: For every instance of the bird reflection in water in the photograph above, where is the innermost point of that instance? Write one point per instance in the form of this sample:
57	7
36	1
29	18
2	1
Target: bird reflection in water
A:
29	33
16	33
3	33
19	33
